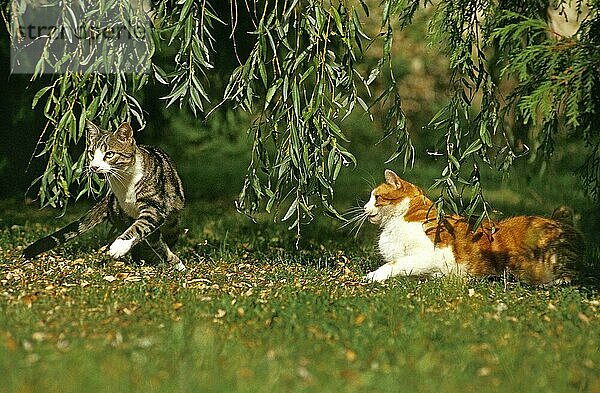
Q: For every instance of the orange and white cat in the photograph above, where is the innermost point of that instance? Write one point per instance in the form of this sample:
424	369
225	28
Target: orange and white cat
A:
413	241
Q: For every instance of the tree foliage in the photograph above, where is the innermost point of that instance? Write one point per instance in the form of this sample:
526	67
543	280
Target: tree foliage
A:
305	73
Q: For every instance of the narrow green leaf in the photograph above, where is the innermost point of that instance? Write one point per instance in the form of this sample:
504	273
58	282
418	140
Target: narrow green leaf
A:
291	210
39	94
473	147
271	92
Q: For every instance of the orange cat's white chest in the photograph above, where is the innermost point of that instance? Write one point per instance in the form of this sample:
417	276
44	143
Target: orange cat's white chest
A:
408	250
124	188
400	238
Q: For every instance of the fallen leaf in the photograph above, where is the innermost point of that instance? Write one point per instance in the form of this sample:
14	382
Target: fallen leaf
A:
10	343
304	374
484	371
584	317
38	336
350	355
360	318
29	299
589	364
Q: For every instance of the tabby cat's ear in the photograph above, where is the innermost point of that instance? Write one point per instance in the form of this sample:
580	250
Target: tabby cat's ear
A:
392	179
124	132
92	129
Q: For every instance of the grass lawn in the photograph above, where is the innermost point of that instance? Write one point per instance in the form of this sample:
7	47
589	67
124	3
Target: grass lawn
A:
253	314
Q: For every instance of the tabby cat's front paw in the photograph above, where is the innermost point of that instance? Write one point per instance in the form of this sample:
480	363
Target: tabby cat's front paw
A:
120	247
180	267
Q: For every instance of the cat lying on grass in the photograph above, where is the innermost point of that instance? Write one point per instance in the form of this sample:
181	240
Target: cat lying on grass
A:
145	199
534	249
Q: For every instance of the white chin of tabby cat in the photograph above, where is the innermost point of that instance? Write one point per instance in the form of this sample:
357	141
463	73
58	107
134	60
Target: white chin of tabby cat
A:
405	246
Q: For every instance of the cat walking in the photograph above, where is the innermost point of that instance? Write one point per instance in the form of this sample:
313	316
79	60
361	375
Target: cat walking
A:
145	199
413	241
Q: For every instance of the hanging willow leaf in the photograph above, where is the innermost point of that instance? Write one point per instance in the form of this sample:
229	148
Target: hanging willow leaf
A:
304	73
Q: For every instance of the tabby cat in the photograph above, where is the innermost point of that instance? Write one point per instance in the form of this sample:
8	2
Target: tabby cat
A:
145	198
413	242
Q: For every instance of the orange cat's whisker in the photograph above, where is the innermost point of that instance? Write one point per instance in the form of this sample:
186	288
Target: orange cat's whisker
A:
356	217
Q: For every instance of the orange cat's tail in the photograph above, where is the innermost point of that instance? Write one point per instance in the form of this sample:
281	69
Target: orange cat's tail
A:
570	246
563	214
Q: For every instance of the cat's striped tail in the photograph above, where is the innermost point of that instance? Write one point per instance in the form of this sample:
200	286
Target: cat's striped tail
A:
49	242
95	216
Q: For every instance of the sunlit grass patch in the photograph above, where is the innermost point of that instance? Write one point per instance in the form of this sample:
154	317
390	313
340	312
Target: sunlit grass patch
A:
255	314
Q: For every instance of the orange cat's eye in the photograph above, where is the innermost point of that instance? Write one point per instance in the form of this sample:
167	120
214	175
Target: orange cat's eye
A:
109	154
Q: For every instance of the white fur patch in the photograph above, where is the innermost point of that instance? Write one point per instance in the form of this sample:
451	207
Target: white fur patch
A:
409	251
370	207
120	247
98	162
124	188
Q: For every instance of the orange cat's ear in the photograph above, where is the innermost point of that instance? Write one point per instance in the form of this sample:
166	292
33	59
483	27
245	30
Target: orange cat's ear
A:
124	132
392	179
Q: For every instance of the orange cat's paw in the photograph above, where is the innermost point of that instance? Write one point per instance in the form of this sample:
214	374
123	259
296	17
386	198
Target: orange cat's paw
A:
381	274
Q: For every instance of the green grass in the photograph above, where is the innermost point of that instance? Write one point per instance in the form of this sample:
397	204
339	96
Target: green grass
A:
253	314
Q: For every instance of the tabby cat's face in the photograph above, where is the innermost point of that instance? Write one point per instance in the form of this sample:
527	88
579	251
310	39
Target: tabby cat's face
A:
390	198
110	152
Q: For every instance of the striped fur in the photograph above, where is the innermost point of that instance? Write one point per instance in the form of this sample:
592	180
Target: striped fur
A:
144	203
413	241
